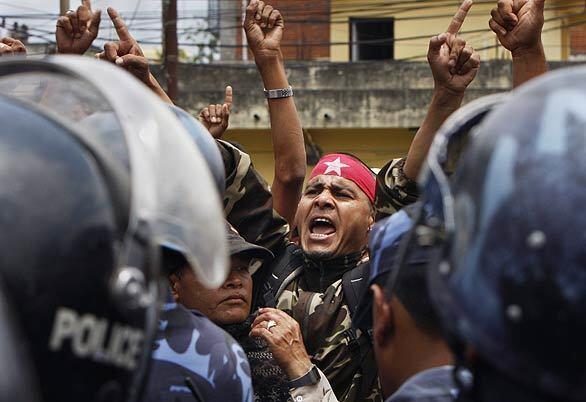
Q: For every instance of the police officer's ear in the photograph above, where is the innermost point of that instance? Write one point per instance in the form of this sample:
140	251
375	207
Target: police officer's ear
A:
382	316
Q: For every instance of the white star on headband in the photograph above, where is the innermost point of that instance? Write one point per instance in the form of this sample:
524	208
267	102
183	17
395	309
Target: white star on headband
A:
335	166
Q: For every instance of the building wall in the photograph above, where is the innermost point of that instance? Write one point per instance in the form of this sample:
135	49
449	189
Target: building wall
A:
368	108
331	95
411	21
374	146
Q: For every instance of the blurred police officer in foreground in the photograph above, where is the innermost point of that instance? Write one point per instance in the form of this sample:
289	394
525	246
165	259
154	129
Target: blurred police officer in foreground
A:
91	163
509	281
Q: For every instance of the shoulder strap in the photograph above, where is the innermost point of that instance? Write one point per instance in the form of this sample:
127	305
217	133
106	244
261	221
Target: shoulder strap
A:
353	284
287	267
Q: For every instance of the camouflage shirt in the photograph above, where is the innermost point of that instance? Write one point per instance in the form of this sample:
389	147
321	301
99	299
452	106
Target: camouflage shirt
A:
342	353
394	190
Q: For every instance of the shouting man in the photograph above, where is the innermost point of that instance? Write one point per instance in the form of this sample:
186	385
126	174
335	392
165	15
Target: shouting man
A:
316	278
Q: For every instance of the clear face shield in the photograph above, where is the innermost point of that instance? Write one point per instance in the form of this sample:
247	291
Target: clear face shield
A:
146	154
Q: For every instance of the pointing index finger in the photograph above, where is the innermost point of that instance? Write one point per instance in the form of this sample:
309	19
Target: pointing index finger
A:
229	97
460	16
119	25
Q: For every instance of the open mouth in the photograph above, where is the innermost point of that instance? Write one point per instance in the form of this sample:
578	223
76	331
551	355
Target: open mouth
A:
321	228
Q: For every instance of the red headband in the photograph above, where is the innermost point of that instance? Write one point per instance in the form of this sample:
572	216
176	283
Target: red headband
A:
349	168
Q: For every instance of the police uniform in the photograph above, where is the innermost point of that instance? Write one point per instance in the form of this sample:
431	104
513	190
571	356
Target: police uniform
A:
432	385
194	358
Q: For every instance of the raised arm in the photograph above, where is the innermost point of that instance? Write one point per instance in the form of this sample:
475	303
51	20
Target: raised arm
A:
454	65
264	30
127	54
77	29
518	25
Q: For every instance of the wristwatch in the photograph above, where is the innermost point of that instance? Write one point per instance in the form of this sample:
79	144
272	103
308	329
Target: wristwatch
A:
312	377
279	93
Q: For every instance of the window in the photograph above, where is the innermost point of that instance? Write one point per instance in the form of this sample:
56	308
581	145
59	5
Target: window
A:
372	39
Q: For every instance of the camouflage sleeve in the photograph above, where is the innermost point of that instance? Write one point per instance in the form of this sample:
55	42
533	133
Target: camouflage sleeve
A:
394	190
320	392
248	202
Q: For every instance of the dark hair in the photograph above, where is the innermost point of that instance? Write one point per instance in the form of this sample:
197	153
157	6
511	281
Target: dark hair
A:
172	261
410	288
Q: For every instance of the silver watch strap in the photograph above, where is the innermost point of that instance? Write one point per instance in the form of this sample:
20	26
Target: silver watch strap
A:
279	93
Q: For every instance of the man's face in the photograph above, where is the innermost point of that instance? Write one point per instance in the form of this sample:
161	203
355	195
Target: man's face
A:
333	217
230	304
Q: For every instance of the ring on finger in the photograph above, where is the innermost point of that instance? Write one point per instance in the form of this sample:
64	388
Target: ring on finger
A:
271	324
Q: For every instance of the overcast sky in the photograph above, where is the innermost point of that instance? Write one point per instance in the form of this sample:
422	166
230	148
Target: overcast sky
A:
145	28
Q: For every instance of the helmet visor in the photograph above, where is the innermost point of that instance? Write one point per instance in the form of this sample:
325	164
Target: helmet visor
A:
141	145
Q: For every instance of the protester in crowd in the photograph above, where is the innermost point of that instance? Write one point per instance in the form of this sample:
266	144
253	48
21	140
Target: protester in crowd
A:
230	308
334	217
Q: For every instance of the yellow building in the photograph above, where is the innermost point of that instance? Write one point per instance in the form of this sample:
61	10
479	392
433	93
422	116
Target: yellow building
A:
409	26
374	146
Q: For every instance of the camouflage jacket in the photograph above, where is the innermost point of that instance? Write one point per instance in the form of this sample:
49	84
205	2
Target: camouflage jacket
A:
394	190
343	354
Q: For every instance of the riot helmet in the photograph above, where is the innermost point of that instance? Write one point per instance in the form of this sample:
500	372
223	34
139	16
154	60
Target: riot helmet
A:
511	277
92	163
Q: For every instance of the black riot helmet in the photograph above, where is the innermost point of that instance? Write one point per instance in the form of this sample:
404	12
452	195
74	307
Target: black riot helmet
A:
511	279
91	165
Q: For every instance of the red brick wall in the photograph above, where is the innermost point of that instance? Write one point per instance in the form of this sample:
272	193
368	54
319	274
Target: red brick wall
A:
307	29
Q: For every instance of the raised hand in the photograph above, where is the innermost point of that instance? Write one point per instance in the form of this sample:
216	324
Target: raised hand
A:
264	28
216	118
126	52
77	30
453	63
518	23
11	47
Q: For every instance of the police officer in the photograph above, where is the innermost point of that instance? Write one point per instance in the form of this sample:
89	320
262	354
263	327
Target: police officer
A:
193	358
508	281
84	209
